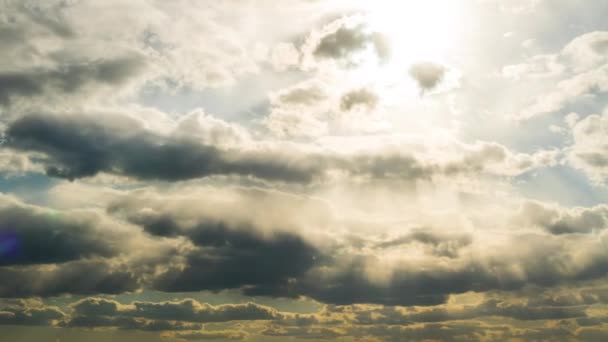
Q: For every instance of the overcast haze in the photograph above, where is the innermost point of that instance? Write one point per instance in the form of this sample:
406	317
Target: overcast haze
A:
340	170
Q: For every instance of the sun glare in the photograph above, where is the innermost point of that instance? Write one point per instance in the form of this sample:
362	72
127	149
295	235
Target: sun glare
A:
414	32
417	30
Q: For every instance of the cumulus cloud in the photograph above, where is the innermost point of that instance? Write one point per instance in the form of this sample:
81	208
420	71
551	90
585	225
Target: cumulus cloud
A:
252	258
558	220
427	74
360	97
45	252
66	79
44	281
80	146
344	38
29	312
589	152
187	310
579	70
43	236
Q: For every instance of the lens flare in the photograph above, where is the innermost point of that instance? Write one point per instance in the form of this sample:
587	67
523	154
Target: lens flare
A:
9	244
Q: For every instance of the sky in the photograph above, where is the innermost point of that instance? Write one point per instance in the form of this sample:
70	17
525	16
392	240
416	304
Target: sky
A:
286	170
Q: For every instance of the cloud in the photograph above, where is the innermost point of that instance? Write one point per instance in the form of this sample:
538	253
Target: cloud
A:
80	146
44	281
29	312
359	98
427	74
224	335
302	95
441	245
575	73
559	220
44	236
342	42
187	310
67	79
373	279
589	151
446	313
261	265
342	39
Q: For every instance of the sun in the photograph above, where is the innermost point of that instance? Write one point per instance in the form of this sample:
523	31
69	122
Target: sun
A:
422	30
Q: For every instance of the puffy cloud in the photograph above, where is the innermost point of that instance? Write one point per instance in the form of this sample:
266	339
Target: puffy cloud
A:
568	91
187	310
45	252
13	163
29	312
344	38
224	335
440	263
43	236
589	152
233	257
67	79
588	50
54	280
302	95
518	263
80	146
357	98
565	221
427	74
342	42
578	71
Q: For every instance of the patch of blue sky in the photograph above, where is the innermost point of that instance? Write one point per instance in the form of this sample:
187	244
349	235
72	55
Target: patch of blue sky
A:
30	187
243	101
561	184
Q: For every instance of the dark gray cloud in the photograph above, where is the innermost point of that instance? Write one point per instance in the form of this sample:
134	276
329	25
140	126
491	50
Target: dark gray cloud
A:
77	277
81	146
129	323
346	282
29	313
359	97
342	42
43	236
187	310
215	335
427	332
445	313
230	252
306	333
67	79
427	74
235	254
350	38
76	146
239	257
